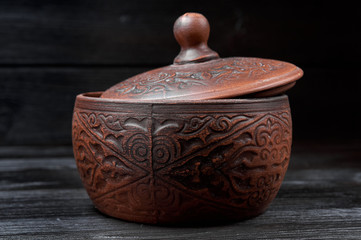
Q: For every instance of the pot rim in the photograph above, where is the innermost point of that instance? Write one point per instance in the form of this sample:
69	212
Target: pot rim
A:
95	97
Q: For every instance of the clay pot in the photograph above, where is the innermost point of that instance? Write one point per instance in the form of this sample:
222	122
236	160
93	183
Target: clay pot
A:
178	145
181	161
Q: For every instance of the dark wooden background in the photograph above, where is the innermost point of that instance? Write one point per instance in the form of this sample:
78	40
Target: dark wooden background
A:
52	50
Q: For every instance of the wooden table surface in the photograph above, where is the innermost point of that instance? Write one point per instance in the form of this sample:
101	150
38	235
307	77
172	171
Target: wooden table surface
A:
41	197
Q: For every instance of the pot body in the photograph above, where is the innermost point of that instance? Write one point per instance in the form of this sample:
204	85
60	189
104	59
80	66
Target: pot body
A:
182	161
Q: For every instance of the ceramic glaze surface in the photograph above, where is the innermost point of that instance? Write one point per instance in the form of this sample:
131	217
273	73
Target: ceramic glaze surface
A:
185	161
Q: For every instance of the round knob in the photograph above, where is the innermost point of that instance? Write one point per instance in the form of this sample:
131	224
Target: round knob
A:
191	31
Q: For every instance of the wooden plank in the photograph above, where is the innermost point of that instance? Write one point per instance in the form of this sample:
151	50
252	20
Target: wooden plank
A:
323	103
44	199
36	104
35	151
140	32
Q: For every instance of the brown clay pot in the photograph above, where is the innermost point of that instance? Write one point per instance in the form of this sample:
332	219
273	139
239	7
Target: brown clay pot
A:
173	145
181	161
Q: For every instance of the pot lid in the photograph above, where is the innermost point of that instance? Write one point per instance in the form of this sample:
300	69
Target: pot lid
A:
199	73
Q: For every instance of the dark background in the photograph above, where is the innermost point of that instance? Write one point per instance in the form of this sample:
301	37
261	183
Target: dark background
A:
50	51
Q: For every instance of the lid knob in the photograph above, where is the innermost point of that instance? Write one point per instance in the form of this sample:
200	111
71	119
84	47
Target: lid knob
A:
191	31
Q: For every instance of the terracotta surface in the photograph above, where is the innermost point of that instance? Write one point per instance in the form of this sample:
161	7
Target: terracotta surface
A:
182	161
192	32
199	73
164	147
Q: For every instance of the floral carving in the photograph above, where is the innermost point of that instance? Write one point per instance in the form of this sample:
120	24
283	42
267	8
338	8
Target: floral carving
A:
229	165
157	165
174	78
163	82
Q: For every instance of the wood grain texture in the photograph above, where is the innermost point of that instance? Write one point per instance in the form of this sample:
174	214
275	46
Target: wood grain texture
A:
42	198
140	32
52	50
36	104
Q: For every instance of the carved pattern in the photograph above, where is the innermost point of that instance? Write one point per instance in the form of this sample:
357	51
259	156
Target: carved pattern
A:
104	145
229	164
171	79
158	165
162	82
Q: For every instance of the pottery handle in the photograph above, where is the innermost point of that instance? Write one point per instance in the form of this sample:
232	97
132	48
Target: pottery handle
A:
191	31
